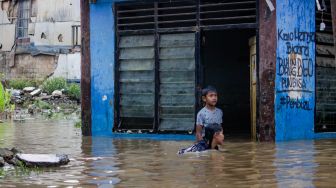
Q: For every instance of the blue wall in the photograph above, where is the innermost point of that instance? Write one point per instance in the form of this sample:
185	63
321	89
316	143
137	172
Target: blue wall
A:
102	66
294	85
295	69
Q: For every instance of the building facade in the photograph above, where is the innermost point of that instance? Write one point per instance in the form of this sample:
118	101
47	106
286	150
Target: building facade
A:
39	39
273	63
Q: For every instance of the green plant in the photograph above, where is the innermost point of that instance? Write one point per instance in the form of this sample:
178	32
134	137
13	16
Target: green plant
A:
42	105
22	83
2	76
2	172
78	124
53	84
2	98
5	100
73	91
22	170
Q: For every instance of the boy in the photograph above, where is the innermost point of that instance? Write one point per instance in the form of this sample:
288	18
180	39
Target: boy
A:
213	137
208	114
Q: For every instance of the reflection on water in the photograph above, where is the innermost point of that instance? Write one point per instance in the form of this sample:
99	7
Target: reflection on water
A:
107	162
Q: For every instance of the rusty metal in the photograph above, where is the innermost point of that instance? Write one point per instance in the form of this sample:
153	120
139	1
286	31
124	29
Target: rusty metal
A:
325	114
267	66
333	16
85	69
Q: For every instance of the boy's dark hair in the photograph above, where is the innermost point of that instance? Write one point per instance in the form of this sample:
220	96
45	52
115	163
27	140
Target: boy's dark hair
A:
208	89
210	130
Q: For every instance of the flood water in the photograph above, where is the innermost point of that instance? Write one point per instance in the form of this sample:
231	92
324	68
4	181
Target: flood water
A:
107	162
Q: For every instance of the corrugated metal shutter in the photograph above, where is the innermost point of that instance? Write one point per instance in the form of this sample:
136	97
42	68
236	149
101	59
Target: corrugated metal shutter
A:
136	80
177	81
325	74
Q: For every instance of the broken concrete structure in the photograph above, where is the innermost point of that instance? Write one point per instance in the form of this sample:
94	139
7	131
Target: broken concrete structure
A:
40	38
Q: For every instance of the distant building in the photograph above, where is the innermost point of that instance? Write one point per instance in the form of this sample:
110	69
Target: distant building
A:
40	38
272	61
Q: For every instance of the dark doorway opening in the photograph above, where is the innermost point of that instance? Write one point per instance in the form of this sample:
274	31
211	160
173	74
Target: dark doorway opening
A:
225	59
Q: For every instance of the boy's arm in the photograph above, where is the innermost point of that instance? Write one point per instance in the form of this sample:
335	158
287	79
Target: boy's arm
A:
199	132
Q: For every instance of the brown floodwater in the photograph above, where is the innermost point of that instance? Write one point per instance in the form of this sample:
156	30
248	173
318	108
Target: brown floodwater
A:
108	162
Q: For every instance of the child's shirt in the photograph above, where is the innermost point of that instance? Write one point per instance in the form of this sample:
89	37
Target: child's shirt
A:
206	117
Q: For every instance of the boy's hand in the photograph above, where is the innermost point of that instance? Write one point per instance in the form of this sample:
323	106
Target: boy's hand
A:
199	129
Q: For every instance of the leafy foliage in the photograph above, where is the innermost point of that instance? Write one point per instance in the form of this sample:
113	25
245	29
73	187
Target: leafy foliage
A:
22	83
74	91
53	84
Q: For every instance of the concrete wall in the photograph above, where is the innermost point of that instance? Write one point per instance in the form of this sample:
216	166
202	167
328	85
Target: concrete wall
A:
55	34
295	70
49	33
7	32
55	20
32	67
40	67
68	66
57	11
7	37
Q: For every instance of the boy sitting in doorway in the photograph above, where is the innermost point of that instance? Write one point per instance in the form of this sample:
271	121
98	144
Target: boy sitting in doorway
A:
209	114
213	137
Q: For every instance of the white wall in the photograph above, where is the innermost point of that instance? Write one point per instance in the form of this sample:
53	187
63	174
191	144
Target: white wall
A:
7	32
7	36
52	31
3	17
57	10
68	66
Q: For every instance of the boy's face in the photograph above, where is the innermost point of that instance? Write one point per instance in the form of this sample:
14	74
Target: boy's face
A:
219	138
210	98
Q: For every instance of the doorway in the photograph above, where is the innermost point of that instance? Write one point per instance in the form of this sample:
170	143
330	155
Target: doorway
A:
225	58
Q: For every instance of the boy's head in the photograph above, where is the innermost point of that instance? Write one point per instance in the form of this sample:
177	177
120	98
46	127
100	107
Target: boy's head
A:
209	96
214	134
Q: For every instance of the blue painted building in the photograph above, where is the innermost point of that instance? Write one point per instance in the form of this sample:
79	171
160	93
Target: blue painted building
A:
144	62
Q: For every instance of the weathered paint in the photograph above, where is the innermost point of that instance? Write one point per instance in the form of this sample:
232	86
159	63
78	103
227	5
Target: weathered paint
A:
85	69
266	72
295	70
102	66
52	31
333	16
59	11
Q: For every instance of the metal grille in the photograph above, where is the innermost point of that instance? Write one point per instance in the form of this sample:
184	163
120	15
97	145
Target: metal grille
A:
156	83
227	14
76	35
325	73
23	19
184	15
